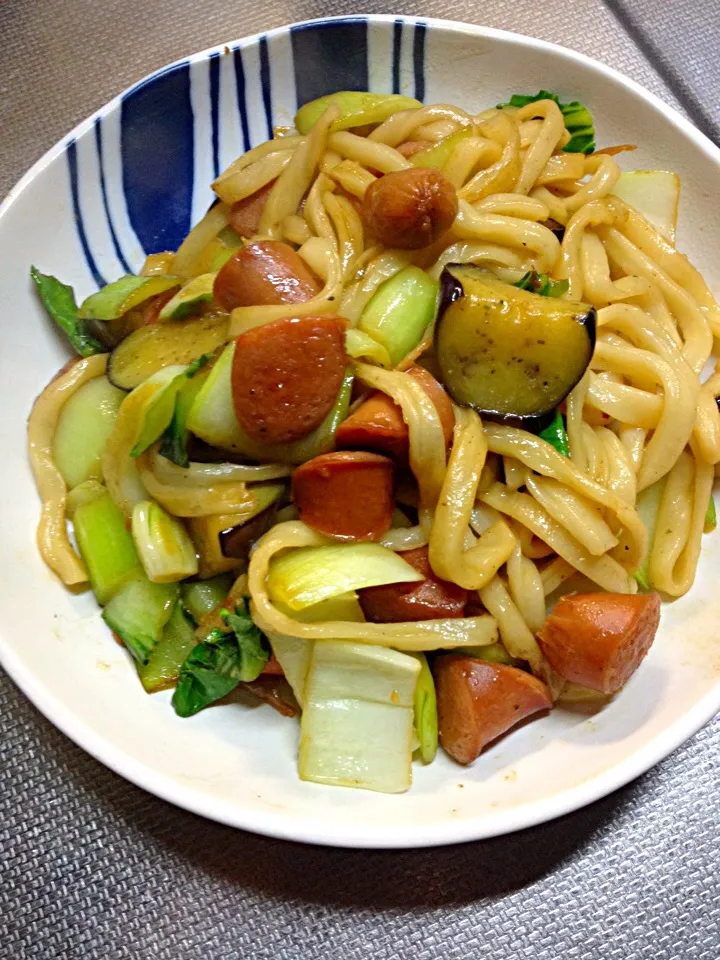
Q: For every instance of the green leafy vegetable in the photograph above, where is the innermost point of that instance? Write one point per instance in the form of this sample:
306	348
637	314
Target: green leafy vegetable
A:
578	119
59	301
541	283
116	298
556	435
169	653
174	439
425	711
710	517
215	667
204	596
138	614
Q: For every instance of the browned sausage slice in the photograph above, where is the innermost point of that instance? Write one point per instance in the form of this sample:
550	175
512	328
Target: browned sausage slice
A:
378	423
479	701
345	495
265	272
410	147
599	639
286	376
432	599
245	214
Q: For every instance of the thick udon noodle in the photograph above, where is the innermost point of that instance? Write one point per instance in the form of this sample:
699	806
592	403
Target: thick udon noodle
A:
507	516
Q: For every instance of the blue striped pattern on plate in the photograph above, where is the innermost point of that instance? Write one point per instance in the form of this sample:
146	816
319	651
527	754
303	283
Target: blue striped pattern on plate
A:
140	178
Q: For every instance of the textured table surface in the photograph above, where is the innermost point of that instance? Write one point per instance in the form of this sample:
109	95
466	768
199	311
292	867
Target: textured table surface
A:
94	869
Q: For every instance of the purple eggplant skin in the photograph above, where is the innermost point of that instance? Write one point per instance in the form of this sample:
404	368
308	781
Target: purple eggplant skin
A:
510	354
236	541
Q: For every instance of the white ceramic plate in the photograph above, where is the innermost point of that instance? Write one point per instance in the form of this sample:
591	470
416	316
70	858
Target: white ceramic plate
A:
128	181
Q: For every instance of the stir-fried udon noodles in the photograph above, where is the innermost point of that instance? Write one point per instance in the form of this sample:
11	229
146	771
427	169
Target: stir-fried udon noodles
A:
409	434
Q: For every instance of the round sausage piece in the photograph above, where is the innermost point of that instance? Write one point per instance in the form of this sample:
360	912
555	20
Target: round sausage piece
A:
599	639
348	495
286	376
432	599
263	273
478	701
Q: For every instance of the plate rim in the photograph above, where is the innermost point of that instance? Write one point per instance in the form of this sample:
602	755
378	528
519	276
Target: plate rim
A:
316	831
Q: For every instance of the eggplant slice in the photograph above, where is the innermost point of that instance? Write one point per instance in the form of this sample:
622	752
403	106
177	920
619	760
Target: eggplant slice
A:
508	352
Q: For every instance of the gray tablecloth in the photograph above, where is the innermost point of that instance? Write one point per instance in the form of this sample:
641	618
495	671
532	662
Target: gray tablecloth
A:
93	868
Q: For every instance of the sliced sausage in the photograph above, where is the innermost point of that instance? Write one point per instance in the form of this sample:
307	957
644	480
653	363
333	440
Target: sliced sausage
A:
411	147
432	599
599	639
245	214
286	376
378	423
272	668
346	495
479	701
265	272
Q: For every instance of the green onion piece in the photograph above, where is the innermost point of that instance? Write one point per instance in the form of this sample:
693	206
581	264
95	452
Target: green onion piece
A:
357	109
195	291
169	653
114	300
215	667
138	614
361	346
83	493
556	435
157	411
203	596
710	517
175	437
541	283
164	545
400	311
578	119
59	301
425	711
493	652
647	506
308	575
439	153
106	546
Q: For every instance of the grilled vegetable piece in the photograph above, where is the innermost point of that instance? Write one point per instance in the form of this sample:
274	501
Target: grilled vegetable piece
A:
138	614
433	599
599	639
655	194
508	352
105	545
167	656
400	311
233	655
122	295
357	109
478	701
211	533
310	575
203	596
148	350
357	722
196	291
348	495
425	711
578	119
85	423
